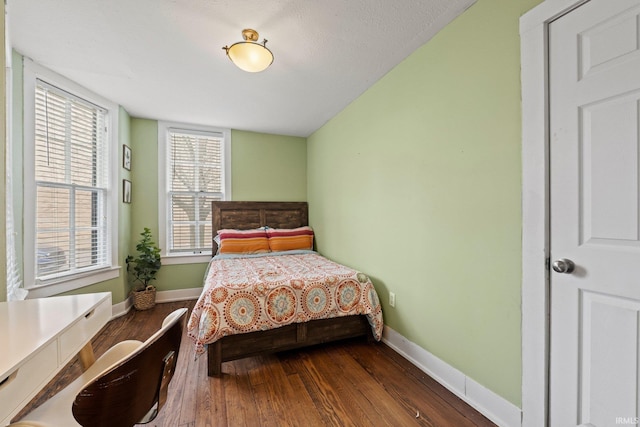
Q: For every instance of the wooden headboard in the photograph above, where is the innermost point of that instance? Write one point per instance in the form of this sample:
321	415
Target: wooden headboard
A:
247	215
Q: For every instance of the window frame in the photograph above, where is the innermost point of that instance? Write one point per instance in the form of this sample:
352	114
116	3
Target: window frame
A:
164	127
39	288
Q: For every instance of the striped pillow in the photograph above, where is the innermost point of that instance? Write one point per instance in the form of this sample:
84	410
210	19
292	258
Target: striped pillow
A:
243	241
284	239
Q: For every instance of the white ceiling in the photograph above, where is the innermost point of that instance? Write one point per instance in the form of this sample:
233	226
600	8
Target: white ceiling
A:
163	59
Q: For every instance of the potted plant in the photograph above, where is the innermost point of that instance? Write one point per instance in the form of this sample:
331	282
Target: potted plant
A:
143	268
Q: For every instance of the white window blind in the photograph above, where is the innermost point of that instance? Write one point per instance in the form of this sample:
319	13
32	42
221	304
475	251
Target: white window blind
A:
196	178
71	176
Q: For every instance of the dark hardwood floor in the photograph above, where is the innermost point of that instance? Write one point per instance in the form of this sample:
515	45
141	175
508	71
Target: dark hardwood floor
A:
351	383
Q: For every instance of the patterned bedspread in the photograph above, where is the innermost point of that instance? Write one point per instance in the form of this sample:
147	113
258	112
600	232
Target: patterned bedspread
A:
257	293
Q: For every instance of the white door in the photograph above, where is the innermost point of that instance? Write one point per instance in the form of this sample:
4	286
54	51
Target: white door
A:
594	100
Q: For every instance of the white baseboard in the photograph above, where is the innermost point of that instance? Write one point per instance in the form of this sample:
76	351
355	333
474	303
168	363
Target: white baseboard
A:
178	295
123	307
494	407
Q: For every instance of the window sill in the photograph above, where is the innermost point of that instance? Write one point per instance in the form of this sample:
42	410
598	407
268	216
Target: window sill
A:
186	259
58	286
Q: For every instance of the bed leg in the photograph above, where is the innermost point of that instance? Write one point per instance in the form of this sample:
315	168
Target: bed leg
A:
301	332
214	359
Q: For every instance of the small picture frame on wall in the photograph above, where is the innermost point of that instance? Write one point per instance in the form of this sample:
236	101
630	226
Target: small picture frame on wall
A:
126	157
126	191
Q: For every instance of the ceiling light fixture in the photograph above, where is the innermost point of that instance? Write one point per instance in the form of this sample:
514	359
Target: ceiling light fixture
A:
250	55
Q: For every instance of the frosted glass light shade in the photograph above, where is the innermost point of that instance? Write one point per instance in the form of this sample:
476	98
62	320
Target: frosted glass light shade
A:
249	56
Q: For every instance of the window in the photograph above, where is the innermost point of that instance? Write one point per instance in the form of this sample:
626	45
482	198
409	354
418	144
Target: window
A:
68	236
195	173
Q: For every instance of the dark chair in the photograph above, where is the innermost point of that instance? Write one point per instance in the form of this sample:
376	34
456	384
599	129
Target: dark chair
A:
127	385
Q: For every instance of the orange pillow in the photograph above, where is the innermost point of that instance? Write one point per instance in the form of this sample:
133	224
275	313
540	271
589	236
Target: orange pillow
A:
243	241
284	239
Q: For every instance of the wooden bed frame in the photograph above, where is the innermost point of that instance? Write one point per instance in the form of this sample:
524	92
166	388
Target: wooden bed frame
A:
247	215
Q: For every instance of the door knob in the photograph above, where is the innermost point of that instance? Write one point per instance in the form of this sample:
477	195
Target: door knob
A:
563	265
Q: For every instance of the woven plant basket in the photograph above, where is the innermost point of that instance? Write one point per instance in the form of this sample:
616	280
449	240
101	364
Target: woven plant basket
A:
146	299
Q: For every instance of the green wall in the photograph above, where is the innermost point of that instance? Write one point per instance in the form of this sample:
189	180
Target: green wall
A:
264	167
268	167
417	183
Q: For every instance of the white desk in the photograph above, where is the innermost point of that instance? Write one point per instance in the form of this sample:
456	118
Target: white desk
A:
39	337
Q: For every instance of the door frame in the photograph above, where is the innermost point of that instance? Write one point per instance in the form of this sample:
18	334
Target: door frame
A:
534	54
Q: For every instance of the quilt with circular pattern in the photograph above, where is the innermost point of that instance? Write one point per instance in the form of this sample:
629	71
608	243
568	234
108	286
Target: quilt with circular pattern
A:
246	294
